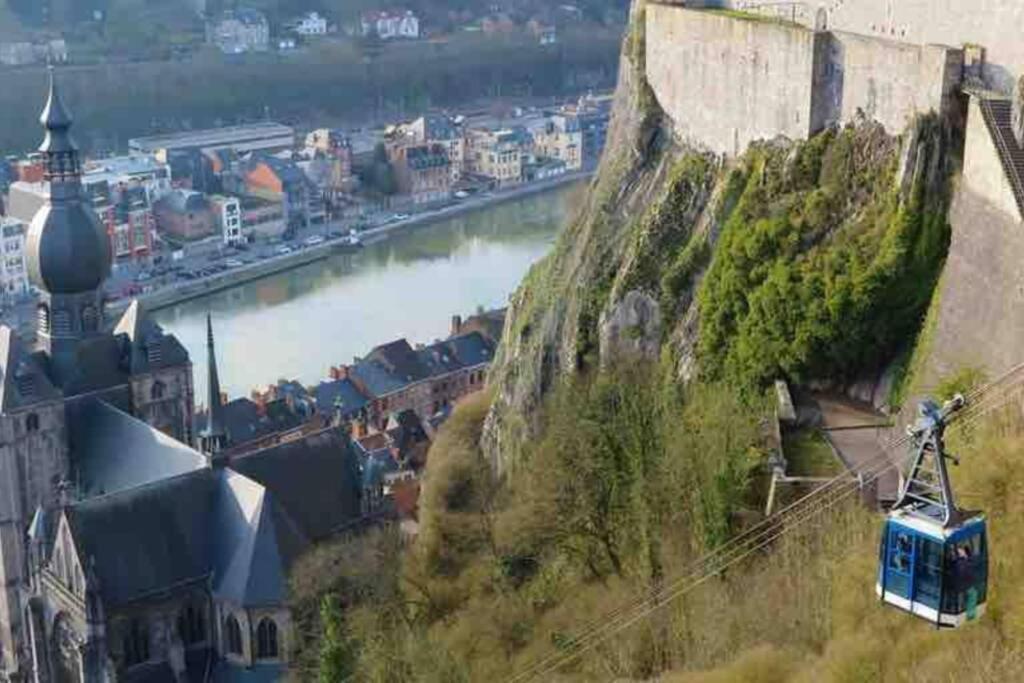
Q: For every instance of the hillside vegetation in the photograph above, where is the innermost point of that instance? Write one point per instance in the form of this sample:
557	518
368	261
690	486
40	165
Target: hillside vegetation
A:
625	434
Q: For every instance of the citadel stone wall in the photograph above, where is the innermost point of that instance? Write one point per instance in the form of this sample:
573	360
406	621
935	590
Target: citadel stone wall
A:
888	81
995	25
728	80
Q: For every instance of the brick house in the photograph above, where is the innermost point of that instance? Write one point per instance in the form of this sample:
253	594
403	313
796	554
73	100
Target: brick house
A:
185	215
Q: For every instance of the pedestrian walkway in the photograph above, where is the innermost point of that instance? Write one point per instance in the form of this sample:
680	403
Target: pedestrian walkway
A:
858	433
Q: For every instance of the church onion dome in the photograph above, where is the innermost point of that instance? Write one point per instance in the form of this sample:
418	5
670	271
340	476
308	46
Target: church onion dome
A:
67	249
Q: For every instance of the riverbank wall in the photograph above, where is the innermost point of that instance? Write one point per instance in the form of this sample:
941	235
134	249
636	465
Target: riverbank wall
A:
166	297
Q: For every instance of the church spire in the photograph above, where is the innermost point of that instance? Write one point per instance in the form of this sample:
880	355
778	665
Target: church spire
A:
59	149
213	436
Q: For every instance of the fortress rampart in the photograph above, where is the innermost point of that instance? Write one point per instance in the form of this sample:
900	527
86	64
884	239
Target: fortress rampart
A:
727	80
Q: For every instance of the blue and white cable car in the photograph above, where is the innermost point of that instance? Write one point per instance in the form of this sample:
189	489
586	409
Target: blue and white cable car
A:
933	557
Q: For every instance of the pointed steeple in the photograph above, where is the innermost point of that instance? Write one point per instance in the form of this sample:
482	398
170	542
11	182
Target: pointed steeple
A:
56	120
213	436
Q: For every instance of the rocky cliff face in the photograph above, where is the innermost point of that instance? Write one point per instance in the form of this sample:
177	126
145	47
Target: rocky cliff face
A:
624	281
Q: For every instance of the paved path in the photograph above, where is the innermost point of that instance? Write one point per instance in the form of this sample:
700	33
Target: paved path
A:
857	432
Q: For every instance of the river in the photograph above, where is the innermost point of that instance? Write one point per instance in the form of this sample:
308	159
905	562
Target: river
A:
298	323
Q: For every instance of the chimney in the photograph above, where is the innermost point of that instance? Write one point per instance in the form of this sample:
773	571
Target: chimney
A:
456	325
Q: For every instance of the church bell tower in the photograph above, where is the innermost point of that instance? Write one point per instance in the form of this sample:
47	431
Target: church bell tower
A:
68	252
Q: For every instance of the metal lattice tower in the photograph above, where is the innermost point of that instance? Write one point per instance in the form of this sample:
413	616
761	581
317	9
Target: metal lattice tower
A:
927	489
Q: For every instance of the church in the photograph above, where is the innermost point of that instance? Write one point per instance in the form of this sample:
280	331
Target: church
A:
131	547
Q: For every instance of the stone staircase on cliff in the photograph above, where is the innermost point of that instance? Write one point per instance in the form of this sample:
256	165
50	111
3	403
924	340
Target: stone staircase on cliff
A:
997	113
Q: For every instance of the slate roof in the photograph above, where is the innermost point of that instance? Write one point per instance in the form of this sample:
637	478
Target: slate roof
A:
184	201
391	367
287	171
148	538
112	451
464	351
340	394
255	545
315	479
141	334
201	525
23	380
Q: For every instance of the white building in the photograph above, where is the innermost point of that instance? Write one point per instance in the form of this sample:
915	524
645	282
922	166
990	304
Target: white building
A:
130	171
239	31
311	24
390	25
228	213
13	273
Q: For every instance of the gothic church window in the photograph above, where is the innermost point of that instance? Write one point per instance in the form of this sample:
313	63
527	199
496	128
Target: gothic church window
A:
266	640
32	423
136	643
234	635
156	392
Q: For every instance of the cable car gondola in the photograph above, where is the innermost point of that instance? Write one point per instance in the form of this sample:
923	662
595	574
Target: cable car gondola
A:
933	557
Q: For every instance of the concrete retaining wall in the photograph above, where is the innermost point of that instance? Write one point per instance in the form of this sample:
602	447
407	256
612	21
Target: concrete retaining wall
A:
981	306
726	82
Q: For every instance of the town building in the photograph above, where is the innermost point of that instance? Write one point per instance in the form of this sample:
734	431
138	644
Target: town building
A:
124	212
422	172
23	53
262	218
279	180
334	150
310	24
185	215
495	155
239	31
427	380
13	272
561	138
267	137
389	25
127	215
227	214
126	553
436	129
144	171
545	33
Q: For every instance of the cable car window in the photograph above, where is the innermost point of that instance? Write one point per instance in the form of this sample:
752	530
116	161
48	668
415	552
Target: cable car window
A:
965	577
928	573
902	546
901	549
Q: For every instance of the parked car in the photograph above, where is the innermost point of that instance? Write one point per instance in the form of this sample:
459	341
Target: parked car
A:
234	263
284	249
314	240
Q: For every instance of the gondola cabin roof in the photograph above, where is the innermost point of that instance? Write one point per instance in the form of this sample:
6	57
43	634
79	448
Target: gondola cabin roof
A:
928	525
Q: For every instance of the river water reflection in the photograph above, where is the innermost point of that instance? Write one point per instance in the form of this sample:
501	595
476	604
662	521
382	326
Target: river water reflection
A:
297	324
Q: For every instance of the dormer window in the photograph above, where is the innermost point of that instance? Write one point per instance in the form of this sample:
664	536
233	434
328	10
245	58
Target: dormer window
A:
25	381
154	354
